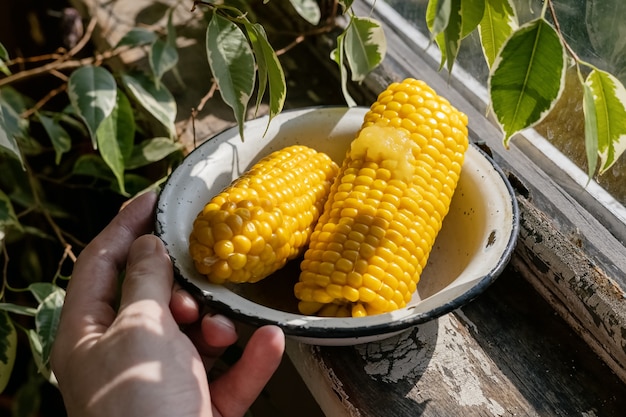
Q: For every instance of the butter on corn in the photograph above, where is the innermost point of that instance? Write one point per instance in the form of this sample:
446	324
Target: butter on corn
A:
264	218
386	206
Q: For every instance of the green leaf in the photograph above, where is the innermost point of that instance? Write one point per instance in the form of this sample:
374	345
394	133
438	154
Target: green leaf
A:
41	290
137	36
309	10
270	71
437	16
256	33
365	46
136	184
47	321
443	19
527	77
591	130
452	34
4	56
116	136
9	129
92	92
608	105
8	218
163	55
151	150
159	102
232	64
18	309
36	352
472	13
92	166
162	58
61	140
338	55
498	23
8	349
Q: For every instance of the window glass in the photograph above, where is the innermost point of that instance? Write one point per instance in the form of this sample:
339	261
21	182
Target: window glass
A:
596	31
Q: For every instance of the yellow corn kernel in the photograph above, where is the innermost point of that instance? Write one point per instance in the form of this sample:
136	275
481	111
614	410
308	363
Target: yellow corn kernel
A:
264	218
386	205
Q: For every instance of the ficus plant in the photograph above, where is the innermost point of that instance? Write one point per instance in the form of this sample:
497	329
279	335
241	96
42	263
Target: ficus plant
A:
104	136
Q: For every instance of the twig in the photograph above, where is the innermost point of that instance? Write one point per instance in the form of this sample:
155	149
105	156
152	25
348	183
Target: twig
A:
51	94
86	37
298	40
47	57
198	109
207	96
62	62
67	252
63	65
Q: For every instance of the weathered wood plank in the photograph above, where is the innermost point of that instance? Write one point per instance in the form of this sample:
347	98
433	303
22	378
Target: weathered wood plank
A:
506	353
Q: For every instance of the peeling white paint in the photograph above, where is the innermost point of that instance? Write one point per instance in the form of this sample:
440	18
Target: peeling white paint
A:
440	344
401	357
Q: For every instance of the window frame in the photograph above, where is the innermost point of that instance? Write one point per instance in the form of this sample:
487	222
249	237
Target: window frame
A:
572	233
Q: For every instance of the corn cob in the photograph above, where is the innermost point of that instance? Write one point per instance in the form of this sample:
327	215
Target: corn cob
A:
386	206
264	218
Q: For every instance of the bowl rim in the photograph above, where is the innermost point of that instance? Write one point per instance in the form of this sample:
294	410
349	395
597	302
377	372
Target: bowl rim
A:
334	328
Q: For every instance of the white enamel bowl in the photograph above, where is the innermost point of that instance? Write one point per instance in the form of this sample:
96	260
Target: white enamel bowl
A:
472	249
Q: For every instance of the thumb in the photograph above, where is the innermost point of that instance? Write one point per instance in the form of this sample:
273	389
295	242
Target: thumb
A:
149	274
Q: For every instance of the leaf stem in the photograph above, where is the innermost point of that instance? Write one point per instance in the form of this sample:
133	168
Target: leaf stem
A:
557	26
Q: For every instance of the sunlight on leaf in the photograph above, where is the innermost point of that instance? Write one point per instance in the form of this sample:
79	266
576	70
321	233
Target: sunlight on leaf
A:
365	46
609	108
528	77
36	350
163	55
498	23
92	92
232	64
151	150
438	16
159	102
270	71
591	130
115	137
47	321
162	58
137	36
338	55
309	10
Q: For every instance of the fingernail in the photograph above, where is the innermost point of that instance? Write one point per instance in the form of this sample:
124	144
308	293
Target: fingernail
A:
146	245
223	321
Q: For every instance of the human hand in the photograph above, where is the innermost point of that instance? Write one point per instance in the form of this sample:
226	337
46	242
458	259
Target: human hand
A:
134	360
